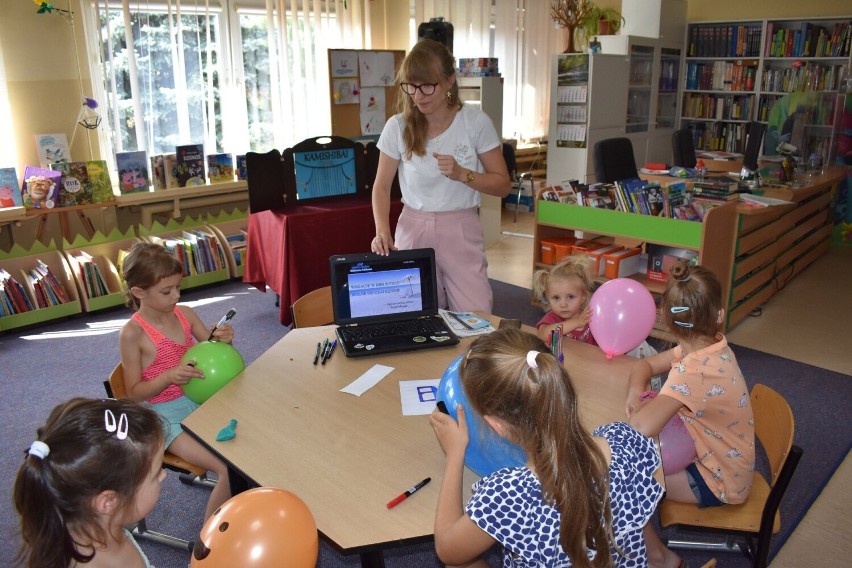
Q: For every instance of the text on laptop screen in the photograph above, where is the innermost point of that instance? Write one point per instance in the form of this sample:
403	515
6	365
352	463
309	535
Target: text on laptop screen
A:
370	286
379	293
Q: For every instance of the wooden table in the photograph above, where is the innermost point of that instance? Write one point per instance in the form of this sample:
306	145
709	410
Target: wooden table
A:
288	250
347	456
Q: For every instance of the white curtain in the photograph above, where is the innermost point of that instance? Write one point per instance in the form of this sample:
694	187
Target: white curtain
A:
471	21
526	39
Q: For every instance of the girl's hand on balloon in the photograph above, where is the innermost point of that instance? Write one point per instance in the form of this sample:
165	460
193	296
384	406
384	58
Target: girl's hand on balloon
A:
183	373
224	334
453	436
577	322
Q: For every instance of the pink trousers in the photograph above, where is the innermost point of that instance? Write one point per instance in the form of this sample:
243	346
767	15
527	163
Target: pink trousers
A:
459	247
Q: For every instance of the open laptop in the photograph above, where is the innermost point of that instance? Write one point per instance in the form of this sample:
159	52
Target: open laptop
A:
385	304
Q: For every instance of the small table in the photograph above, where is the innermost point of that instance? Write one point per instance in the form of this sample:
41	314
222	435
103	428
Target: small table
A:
347	456
288	249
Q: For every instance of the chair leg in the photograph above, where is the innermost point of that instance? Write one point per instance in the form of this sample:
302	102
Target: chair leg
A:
200	480
141	531
731	544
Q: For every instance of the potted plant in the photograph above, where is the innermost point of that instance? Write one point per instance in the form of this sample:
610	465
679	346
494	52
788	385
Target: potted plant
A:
601	21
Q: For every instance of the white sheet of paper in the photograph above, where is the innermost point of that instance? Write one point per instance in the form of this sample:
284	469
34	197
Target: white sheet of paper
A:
368	380
418	397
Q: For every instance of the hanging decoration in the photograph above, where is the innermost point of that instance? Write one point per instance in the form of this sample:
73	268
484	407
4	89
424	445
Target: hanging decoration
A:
88	117
49	8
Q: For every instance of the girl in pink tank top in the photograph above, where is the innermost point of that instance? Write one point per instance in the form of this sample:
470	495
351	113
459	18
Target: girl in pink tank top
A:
152	344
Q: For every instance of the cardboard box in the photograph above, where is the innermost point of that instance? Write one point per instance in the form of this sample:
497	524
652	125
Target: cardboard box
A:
622	263
661	258
549	254
596	255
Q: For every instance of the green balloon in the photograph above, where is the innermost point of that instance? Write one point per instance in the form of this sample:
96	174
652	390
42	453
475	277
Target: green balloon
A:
220	363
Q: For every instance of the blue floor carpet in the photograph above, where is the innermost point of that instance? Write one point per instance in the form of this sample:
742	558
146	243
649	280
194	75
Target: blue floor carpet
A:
46	365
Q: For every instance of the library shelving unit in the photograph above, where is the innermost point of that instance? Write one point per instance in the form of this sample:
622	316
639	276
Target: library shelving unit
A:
233	235
713	238
179	236
766	70
104	251
18	262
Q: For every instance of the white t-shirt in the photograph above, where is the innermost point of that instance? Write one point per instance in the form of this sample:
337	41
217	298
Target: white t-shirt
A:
423	187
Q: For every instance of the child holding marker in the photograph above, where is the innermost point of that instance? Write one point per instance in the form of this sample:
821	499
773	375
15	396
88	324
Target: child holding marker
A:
152	344
566	288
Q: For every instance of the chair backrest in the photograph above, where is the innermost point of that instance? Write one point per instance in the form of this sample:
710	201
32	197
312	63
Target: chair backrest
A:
774	426
511	162
312	309
683	148
614	160
116	389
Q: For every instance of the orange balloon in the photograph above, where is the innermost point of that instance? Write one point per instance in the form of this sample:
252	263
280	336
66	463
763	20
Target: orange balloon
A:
259	528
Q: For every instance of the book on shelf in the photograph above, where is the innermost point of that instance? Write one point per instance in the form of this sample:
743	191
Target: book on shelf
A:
90	275
47	289
99	181
560	193
190	165
52	148
220	167
40	189
74	186
674	197
760	200
237	243
132	171
158	172
599	195
15	298
10	190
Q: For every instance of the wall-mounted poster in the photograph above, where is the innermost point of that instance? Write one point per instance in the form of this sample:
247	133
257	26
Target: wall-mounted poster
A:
345	91
344	63
377	68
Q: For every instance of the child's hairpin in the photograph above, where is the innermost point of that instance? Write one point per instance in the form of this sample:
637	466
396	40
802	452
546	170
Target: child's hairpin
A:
120	427
531	355
684	324
39	449
679	309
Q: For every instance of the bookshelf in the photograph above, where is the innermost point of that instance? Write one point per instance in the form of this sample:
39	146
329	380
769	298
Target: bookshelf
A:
105	255
766	70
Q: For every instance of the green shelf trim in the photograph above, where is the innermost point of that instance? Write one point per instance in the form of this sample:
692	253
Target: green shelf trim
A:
38	247
172	225
106	301
40	315
80	241
206	278
676	232
224	217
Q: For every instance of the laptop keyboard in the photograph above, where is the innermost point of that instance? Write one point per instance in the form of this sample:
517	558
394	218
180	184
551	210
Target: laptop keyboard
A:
408	328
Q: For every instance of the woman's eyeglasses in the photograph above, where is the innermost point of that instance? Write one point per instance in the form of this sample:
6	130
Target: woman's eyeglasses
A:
410	88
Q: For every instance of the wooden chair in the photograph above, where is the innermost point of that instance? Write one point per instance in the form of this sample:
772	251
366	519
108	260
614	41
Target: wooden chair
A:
758	518
312	309
190	474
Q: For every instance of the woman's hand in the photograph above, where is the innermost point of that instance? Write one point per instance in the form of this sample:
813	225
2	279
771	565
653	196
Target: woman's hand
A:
183	373
449	168
382	244
453	436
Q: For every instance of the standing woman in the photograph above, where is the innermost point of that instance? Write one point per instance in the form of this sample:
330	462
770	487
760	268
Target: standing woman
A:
446	154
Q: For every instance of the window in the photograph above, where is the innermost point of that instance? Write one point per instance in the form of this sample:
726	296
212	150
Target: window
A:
236	77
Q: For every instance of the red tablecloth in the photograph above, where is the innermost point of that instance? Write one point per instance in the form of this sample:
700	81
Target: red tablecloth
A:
288	249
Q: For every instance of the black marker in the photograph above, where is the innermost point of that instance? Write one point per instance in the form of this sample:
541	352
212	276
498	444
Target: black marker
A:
225	319
442	406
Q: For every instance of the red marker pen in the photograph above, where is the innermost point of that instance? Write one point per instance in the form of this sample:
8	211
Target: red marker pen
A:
411	490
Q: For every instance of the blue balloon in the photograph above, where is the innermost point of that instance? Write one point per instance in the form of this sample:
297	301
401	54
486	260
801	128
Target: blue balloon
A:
487	451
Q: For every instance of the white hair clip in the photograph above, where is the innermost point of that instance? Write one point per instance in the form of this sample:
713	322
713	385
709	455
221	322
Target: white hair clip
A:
531	355
39	449
679	309
684	324
120	427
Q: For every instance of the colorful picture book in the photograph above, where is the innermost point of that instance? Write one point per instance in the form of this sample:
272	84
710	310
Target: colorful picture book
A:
242	173
74	187
13	296
220	167
158	171
99	182
10	189
52	148
40	188
190	165
132	171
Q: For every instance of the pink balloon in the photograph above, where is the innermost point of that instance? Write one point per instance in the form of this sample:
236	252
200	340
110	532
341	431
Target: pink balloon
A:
677	448
623	314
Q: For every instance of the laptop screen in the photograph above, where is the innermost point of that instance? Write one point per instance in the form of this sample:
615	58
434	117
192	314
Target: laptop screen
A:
369	288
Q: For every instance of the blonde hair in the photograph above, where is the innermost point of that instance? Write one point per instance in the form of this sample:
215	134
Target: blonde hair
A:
540	409
574	266
428	61
692	302
145	266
